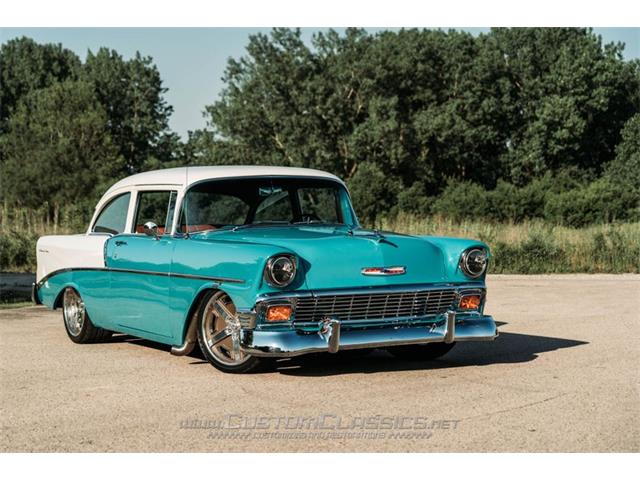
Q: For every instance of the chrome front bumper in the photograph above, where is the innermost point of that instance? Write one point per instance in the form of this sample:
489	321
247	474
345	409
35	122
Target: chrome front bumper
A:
333	335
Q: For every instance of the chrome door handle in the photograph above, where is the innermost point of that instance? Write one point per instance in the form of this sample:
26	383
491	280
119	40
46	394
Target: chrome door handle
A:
120	242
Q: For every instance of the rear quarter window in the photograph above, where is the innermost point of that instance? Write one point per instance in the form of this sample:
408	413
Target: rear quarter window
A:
113	217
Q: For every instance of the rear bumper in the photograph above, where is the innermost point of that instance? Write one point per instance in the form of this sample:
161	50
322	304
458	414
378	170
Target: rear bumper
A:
333	336
34	294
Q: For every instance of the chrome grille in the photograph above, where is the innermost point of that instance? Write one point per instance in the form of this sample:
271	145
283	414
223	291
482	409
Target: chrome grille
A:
369	306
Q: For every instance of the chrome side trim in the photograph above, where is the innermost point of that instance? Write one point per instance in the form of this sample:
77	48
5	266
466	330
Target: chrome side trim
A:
178	275
63	270
141	272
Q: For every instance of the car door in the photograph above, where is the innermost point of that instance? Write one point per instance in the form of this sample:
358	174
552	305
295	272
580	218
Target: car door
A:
140	266
88	251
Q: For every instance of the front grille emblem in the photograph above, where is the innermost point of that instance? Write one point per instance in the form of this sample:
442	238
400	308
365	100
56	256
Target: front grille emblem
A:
383	271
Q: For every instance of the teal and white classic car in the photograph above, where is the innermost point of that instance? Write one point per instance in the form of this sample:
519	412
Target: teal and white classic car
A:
252	263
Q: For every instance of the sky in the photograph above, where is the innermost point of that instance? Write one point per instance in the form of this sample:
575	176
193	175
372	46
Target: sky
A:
192	61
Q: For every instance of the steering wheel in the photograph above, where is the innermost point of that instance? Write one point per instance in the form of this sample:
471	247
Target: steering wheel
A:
309	217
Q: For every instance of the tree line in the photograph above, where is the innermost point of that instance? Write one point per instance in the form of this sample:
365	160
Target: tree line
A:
508	125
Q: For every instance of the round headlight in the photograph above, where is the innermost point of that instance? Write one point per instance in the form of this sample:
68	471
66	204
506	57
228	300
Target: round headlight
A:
473	262
280	270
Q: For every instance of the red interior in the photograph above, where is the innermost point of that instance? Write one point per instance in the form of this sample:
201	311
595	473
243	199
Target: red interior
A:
189	229
140	229
197	228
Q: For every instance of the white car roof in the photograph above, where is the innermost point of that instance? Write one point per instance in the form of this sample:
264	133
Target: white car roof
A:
185	176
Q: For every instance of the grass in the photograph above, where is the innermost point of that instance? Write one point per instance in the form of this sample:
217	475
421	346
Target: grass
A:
528	247
7	306
539	247
20	229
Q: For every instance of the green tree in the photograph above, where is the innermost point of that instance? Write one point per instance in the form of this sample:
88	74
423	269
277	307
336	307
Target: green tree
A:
26	66
572	96
426	107
625	168
519	123
372	192
601	201
418	104
131	93
57	148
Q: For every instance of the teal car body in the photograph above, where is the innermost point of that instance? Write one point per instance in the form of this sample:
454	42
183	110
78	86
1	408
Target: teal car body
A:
148	282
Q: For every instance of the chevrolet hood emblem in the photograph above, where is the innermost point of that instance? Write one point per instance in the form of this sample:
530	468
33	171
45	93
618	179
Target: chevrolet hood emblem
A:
383	271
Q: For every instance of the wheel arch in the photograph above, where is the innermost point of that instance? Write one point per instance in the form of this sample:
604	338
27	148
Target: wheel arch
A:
197	301
57	303
187	336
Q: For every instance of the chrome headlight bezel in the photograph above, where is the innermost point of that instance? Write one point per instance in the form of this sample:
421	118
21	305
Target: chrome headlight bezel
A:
274	268
473	257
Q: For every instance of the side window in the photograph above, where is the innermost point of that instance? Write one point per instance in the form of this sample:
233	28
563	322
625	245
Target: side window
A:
113	217
156	207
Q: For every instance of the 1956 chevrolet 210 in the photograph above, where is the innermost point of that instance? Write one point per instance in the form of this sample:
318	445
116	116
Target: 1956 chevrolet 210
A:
253	263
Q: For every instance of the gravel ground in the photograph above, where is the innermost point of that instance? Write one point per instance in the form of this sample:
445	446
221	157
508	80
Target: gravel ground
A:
562	376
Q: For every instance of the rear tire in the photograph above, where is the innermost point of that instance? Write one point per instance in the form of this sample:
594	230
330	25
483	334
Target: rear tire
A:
77	323
415	353
216	328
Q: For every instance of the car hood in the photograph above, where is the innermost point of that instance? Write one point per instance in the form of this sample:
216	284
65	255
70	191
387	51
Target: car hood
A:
333	257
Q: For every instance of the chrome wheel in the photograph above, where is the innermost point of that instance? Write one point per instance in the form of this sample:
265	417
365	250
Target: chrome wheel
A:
73	311
220	330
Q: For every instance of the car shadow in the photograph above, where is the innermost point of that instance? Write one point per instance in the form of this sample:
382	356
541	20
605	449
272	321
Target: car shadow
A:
196	354
507	348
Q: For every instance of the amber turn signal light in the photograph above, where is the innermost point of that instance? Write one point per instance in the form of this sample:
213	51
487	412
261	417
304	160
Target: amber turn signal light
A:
278	313
469	302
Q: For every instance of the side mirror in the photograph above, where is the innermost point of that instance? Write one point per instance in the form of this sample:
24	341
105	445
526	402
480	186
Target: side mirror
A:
151	229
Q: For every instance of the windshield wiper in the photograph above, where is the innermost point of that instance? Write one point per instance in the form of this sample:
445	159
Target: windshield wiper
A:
259	224
305	222
315	222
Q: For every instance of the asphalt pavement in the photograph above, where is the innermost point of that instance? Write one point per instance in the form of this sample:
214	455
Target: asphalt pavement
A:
563	376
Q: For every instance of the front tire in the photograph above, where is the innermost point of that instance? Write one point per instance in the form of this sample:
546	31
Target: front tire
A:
416	353
219	336
77	323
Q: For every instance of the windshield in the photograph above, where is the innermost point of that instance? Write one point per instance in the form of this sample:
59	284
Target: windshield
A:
264	201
